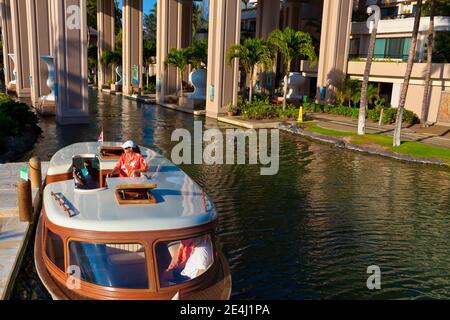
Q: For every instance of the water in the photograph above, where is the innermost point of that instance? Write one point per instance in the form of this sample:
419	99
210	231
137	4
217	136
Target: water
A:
311	231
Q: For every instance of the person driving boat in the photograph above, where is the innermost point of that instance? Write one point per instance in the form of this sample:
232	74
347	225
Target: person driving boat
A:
131	164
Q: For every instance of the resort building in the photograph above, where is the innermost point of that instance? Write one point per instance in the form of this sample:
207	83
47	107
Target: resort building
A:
338	28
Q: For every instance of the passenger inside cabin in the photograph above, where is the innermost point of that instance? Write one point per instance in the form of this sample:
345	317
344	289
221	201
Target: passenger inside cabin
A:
131	163
87	177
192	259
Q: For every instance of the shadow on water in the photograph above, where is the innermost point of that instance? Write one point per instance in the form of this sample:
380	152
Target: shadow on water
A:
308	232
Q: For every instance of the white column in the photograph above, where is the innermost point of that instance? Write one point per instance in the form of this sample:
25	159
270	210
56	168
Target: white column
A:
6	25
105	38
39	45
132	46
174	30
334	45
224	31
20	45
70	51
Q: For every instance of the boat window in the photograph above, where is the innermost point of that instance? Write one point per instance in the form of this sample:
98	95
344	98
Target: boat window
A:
136	194
111	265
184	260
86	172
54	249
108	152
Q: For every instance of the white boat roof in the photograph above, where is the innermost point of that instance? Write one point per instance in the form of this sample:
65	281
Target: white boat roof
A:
181	202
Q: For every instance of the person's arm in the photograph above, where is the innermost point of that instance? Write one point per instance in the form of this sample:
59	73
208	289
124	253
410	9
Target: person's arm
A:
116	169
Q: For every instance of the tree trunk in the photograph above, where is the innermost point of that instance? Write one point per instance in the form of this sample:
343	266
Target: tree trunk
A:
250	92
286	78
148	69
427	90
365	83
412	51
181	83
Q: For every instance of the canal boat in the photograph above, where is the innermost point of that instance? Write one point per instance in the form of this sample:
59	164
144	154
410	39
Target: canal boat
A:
145	238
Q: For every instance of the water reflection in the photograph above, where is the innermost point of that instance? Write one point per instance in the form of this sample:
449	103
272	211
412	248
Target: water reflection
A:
312	230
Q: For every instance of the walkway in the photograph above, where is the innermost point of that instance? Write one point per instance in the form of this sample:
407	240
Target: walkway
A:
435	135
14	234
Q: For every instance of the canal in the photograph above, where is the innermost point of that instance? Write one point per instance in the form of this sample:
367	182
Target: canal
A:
309	232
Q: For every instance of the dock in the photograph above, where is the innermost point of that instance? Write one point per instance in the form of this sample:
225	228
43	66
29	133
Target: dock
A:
14	234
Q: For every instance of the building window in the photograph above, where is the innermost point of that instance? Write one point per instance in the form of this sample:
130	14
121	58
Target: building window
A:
111	265
392	48
184	260
354	47
54	249
389	12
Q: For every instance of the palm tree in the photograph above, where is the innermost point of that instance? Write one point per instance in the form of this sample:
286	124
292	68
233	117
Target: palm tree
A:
426	93
365	83
292	44
198	53
251	53
401	106
179	59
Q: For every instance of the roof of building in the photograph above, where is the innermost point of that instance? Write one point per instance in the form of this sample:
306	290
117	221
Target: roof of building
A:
181	202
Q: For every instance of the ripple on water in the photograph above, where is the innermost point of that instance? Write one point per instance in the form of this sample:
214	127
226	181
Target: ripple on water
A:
311	231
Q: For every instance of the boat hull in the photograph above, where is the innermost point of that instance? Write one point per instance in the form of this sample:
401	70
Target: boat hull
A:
220	289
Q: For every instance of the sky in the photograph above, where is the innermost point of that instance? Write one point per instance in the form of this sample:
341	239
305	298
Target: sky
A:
148	5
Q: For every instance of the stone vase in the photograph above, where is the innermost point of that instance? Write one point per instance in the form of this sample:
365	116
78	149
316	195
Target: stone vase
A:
295	82
51	78
198	79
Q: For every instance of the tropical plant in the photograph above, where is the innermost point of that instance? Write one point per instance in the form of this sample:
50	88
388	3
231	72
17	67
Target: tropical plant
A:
198	53
365	83
251	53
401	106
292	44
178	58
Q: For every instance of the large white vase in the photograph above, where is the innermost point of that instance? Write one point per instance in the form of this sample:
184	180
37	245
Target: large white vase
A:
295	82
119	82
51	78
198	79
12	56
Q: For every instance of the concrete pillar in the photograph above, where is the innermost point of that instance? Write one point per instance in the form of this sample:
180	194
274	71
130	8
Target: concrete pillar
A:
174	30
267	20
20	45
334	45
132	46
224	31
105	39
7	40
39	32
69	21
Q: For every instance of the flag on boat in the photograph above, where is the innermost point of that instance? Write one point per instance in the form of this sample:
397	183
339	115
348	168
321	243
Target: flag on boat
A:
100	138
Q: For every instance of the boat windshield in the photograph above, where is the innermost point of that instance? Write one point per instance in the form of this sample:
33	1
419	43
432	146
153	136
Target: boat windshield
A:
86	172
184	260
110	265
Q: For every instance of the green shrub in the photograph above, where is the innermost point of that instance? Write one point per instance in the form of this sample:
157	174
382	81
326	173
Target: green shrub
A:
15	117
262	108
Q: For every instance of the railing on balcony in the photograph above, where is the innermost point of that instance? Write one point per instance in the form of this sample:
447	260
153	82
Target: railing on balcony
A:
380	57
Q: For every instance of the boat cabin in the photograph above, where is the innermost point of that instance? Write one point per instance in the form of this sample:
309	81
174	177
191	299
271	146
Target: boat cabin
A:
151	237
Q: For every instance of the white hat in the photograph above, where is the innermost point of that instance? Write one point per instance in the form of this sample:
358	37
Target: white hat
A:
128	144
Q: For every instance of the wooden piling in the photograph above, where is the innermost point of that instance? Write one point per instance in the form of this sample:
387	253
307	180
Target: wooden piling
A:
36	173
24	200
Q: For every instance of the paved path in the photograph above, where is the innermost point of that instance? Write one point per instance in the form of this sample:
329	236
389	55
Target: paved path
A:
436	135
13	233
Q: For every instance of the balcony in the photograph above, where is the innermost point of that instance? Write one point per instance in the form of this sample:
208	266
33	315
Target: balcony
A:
440	71
401	26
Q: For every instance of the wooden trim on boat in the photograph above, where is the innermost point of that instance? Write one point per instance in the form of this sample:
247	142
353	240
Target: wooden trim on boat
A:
58	177
215	283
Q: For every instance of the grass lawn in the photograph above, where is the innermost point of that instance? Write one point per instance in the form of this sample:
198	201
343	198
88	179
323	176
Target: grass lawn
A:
410	148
